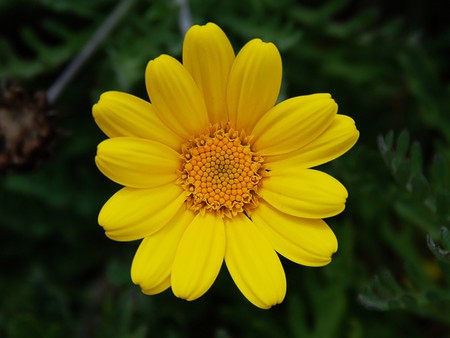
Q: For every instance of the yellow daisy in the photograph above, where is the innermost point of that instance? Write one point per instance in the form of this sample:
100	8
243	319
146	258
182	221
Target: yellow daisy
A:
214	170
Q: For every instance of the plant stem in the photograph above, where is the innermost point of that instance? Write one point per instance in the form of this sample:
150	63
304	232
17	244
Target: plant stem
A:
184	16
88	50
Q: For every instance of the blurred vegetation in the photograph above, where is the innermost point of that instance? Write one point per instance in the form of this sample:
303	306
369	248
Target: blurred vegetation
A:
386	64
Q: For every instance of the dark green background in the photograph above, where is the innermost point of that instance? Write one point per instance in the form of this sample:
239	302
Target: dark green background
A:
386	63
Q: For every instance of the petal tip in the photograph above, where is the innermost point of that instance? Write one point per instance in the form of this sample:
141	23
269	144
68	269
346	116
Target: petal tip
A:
207	26
161	58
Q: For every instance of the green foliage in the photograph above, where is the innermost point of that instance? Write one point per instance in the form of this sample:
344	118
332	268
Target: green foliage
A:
425	287
386	65
428	199
55	31
441	252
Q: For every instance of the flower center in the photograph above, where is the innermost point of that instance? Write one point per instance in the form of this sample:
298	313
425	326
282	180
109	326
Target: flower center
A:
220	172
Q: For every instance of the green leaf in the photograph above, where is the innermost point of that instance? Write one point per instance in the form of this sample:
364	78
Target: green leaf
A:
401	148
445	237
443	203
443	254
385	146
389	139
419	186
416	158
439	172
402	172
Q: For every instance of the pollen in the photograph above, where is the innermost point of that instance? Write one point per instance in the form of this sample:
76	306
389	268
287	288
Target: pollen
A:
220	172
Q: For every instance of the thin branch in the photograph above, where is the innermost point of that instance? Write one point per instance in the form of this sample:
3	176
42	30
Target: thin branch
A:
184	16
91	46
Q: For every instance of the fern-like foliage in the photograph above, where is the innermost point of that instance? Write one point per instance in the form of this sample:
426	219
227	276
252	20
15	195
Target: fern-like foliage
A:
423	288
428	198
441	251
53	33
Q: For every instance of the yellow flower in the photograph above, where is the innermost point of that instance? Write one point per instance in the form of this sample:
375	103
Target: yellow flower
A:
213	170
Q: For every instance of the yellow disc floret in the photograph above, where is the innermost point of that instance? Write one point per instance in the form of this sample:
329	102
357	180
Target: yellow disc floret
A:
220	172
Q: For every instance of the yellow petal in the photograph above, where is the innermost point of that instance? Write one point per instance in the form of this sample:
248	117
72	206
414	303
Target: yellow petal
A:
253	263
137	163
293	123
208	56
132	214
304	193
152	263
163	286
340	136
199	257
120	114
176	97
254	83
305	241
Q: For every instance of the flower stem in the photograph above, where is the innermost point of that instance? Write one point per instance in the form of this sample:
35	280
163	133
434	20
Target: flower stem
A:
184	16
88	50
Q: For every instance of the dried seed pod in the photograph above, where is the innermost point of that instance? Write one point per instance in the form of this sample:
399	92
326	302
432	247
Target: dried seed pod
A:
27	135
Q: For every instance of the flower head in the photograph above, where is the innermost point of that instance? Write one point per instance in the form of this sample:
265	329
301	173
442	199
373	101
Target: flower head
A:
213	169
